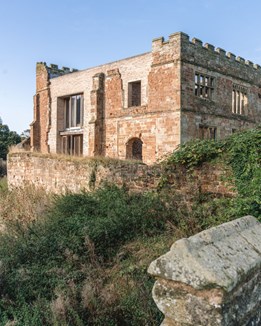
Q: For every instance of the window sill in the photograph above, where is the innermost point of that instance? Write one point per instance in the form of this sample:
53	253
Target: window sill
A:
204	99
71	131
135	107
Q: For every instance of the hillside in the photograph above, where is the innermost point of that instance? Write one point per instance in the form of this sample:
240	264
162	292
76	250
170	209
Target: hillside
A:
81	259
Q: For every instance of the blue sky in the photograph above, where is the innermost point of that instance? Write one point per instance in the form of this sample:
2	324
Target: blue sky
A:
84	33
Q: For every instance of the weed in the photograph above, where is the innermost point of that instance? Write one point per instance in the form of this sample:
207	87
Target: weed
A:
84	261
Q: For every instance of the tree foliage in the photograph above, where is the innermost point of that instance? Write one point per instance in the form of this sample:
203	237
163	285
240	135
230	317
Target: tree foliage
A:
7	138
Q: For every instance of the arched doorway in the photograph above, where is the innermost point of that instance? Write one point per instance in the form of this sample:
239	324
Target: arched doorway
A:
134	149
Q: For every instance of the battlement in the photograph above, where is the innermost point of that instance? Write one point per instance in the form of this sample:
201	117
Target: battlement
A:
230	56
198	45
55	71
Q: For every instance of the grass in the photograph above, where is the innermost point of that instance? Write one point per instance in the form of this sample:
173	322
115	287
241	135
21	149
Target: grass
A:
22	205
106	161
81	259
85	260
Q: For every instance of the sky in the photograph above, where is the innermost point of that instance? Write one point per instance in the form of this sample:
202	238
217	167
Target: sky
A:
85	33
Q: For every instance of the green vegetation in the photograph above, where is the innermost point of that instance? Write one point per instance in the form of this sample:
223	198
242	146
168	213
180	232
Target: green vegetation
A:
81	259
7	138
242	152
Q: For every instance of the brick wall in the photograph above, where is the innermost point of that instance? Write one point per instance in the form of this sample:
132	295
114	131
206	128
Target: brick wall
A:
227	70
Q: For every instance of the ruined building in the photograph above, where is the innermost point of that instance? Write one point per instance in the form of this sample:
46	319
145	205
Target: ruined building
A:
143	107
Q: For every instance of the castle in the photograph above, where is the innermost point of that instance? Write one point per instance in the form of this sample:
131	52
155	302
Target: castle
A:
144	106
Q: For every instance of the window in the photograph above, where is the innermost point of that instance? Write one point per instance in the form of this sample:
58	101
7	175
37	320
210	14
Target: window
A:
206	132
72	145
134	149
73	111
239	99
134	93
204	85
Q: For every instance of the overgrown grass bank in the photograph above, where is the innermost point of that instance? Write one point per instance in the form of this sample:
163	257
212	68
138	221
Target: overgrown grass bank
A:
242	152
81	259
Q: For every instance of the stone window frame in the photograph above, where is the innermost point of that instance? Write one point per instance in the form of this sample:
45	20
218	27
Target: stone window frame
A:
239	99
72	144
207	132
204	85
134	100
73	114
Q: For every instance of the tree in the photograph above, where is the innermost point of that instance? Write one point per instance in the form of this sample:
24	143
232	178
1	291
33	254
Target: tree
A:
7	138
25	134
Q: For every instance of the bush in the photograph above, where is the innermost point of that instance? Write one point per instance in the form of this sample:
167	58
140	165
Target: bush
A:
84	262
195	152
81	230
241	151
244	156
22	205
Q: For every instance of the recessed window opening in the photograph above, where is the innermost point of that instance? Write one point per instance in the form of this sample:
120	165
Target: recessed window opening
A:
134	149
134	93
72	145
239	100
206	132
204	85
74	111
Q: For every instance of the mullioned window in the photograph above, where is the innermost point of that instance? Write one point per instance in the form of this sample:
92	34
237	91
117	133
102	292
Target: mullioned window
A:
239	99
204	85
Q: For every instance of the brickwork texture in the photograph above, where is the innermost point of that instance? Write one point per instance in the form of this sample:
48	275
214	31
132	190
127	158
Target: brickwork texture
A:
179	91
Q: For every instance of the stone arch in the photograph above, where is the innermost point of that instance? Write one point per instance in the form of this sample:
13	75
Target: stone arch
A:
134	149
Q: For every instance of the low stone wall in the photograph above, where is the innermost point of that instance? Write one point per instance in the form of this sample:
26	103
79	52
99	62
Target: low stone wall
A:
60	174
212	278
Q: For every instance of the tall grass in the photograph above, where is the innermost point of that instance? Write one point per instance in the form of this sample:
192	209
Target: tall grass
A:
22	205
84	262
81	259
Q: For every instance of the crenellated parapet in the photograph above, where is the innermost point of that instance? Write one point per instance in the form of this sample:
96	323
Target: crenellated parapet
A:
160	42
179	46
54	70
223	53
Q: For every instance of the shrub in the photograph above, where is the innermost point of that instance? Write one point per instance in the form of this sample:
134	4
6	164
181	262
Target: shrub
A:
79	233
84	262
22	205
244	156
195	152
241	151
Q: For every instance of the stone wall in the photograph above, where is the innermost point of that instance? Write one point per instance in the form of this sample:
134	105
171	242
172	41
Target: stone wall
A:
106	108
59	174
212	278
42	120
167	113
216	111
